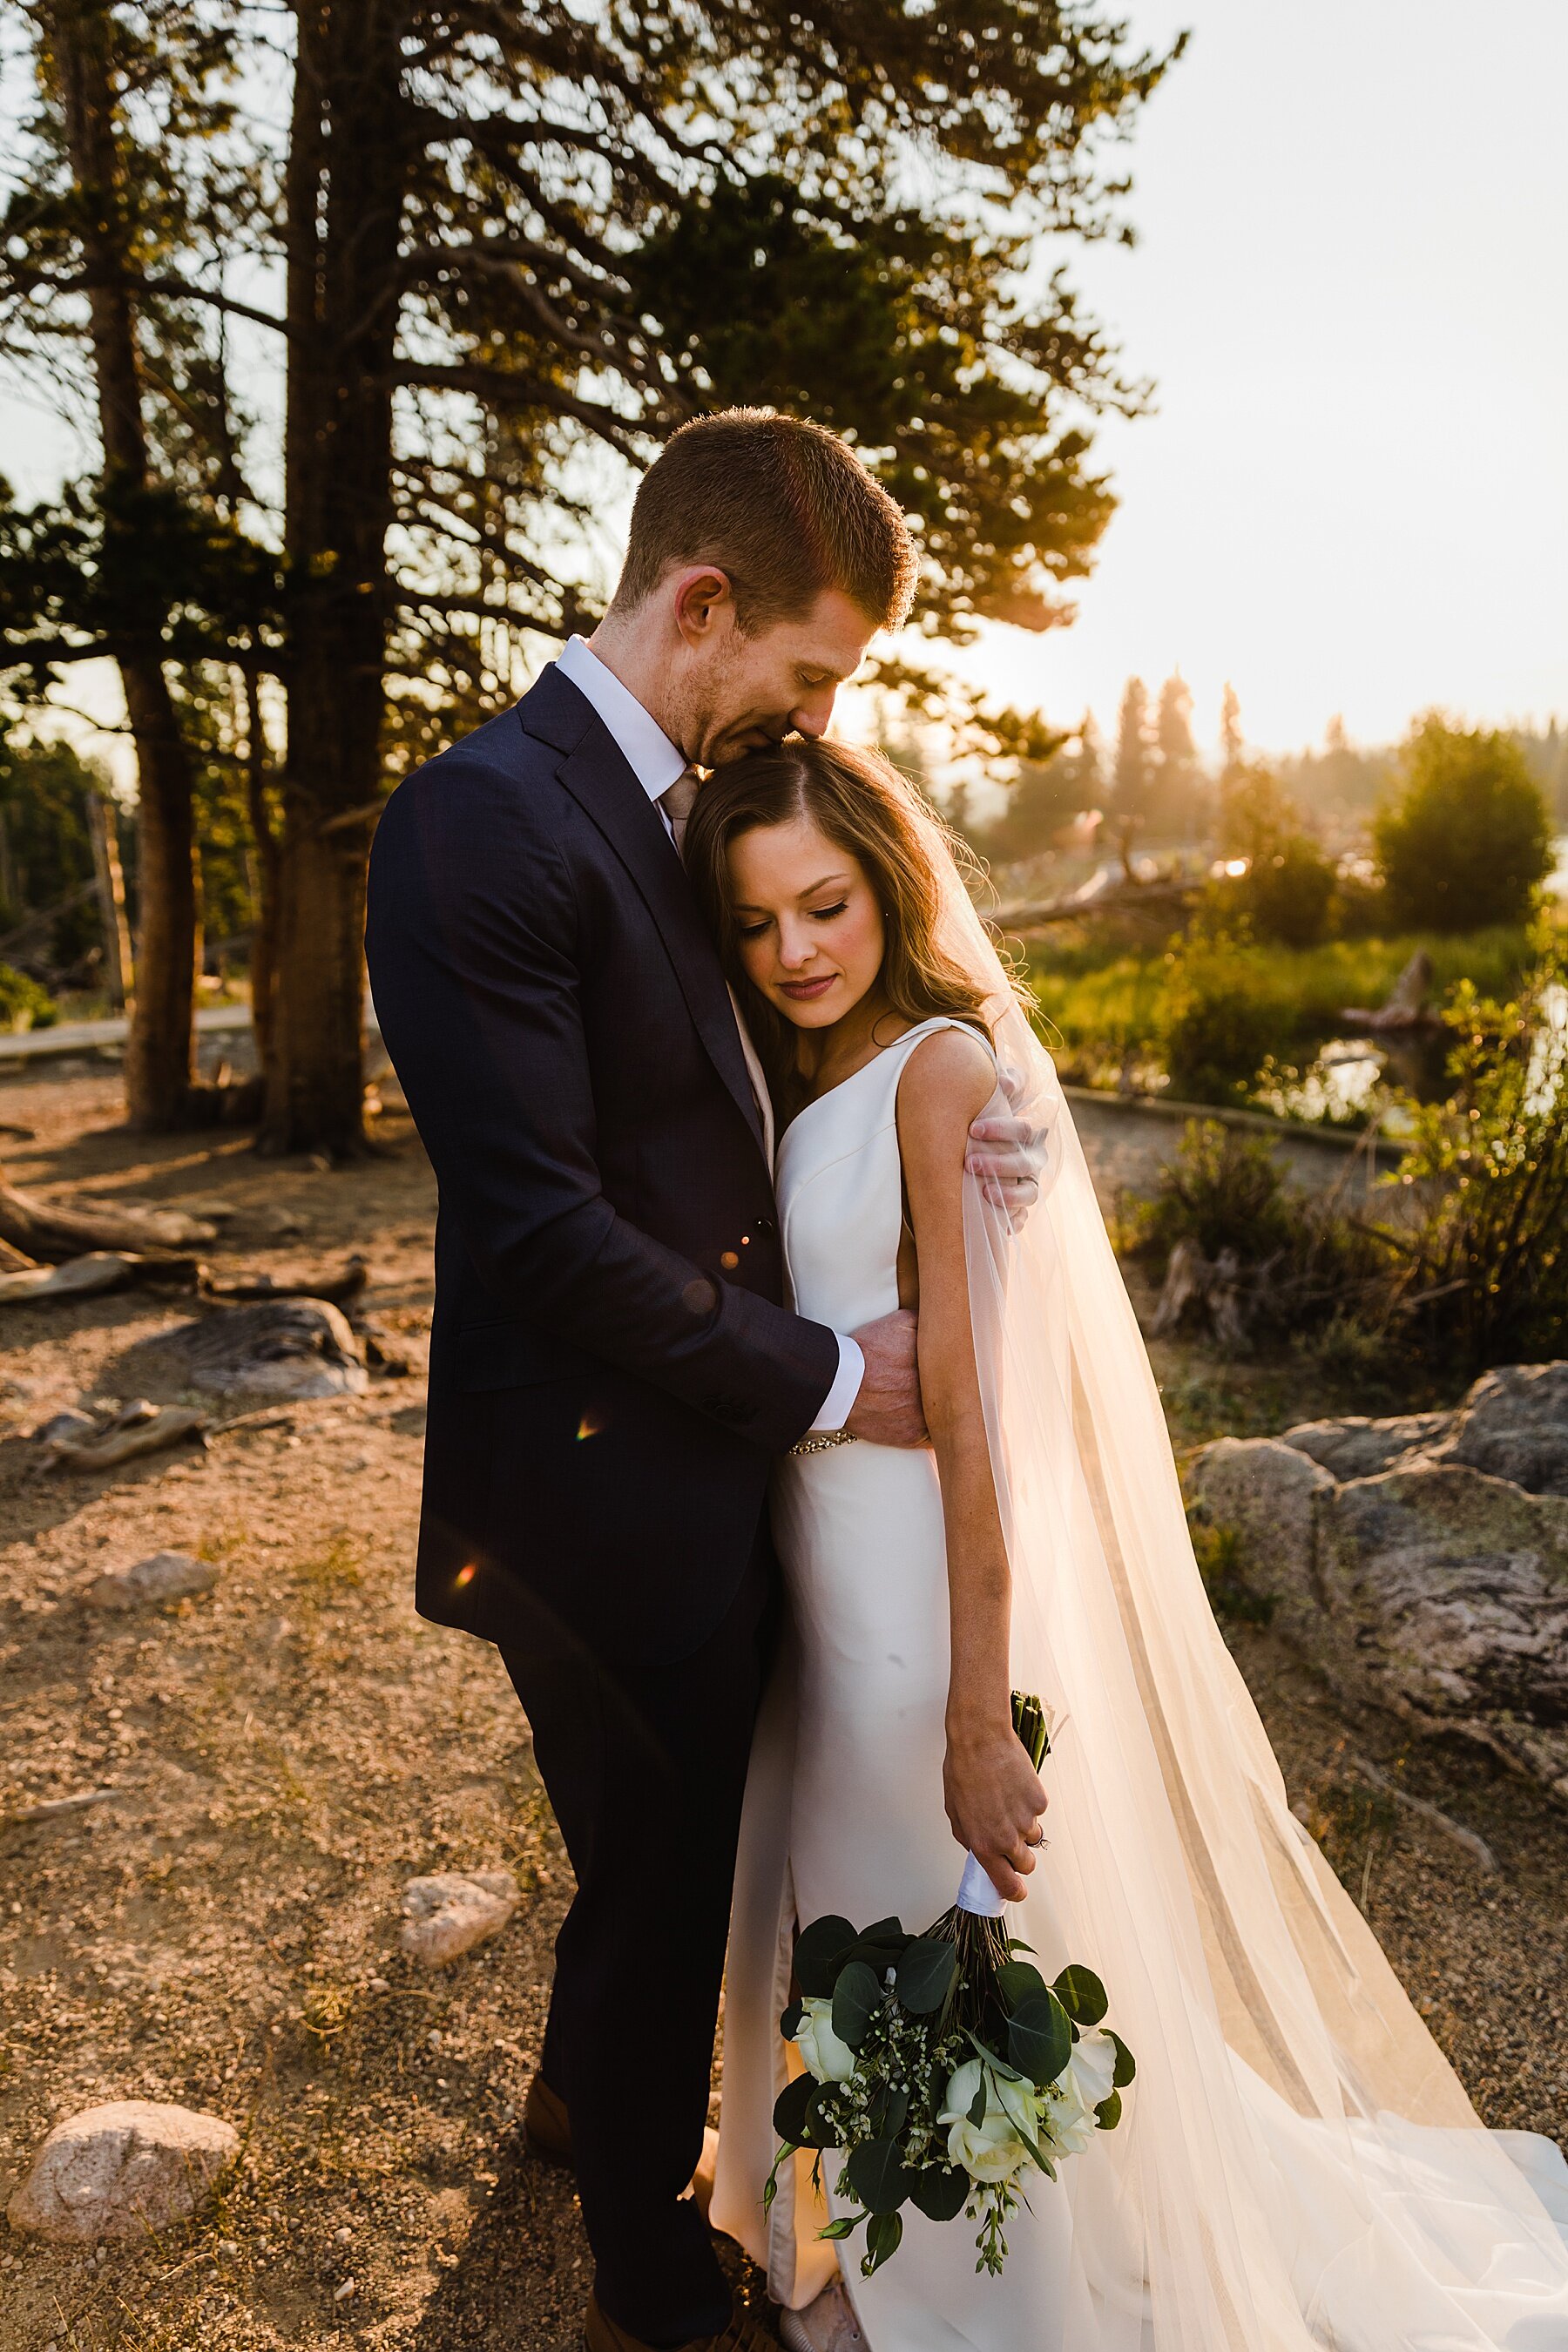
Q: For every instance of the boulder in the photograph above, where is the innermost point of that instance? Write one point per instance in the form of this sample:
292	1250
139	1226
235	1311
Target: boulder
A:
1514	1424
1422	1559
163	1576
1273	1496
1357	1448
122	2171
447	1913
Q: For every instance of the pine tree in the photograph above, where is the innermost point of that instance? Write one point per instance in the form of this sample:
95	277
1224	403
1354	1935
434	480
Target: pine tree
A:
520	248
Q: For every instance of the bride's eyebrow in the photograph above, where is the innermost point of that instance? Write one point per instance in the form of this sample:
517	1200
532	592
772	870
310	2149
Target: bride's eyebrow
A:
828	882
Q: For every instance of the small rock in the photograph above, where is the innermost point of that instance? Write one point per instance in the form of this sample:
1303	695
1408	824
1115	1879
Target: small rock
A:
283	1224
164	1576
67	1424
447	1913
122	2170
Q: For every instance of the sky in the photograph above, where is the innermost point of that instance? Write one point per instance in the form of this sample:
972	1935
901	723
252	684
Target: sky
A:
1349	287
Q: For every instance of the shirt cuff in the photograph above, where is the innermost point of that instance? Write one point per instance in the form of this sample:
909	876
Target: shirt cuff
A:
839	1402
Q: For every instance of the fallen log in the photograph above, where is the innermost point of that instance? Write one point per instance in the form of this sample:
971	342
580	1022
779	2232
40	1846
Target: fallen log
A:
46	1231
340	1290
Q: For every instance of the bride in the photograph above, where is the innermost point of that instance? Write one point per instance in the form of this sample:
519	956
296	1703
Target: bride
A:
1298	2165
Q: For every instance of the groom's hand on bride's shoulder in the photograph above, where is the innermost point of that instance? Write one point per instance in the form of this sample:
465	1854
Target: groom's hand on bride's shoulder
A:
887	1409
1008	1155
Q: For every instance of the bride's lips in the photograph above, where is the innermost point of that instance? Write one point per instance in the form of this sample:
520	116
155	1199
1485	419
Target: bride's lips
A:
806	991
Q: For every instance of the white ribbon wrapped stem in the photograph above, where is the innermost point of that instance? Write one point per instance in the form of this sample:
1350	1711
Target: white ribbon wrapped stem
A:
976	1891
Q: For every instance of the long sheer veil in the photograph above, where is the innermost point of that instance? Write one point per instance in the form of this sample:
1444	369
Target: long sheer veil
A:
1299	2165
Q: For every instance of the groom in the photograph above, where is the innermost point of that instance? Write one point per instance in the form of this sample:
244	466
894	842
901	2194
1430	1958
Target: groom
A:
612	1365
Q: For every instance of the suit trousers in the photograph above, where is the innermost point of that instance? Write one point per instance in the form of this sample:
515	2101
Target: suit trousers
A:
646	1768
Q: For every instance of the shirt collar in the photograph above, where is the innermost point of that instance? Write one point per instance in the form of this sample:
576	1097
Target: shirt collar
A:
642	742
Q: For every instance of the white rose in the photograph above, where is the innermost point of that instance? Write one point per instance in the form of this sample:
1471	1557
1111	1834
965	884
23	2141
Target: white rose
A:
1070	2120
990	2150
830	2060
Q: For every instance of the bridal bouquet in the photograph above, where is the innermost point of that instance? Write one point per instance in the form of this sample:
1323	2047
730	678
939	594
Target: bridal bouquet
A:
942	2068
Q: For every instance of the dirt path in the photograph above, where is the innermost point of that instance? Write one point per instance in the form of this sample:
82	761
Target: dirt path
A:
285	1751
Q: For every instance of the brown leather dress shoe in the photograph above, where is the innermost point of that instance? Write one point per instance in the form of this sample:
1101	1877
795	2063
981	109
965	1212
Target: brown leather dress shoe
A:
547	2130
744	2333
546	2126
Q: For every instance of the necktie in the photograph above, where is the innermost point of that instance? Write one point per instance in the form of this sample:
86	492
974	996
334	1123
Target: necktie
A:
677	803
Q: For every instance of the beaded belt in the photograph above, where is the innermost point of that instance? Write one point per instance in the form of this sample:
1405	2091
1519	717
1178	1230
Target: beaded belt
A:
823	1441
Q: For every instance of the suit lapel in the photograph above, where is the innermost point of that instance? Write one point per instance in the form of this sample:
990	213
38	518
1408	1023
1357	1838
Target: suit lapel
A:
600	779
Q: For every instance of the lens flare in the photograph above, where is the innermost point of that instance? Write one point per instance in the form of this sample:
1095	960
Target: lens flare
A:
591	1423
465	1575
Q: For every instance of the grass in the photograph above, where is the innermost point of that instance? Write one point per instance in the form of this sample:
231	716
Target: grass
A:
1102	1010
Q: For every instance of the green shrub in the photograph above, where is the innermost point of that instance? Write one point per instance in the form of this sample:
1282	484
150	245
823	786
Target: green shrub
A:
24	1004
1223	1190
1215	1029
1469	839
1287	891
1486	1281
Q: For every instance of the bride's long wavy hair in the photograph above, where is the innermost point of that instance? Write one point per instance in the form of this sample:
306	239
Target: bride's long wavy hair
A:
864	806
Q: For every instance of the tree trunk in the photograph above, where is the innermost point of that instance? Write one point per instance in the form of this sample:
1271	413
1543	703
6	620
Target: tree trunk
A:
346	168
265	890
159	1060
103	835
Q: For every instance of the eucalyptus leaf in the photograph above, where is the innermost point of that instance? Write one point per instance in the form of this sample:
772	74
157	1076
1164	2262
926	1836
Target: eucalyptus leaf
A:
883	2233
1109	2112
884	1931
888	2110
819	1953
790	2022
856	1998
925	1974
821	2128
941	2193
977	2105
1081	1994
997	2065
1126	2064
789	2111
1039	2039
1017	1979
878	2174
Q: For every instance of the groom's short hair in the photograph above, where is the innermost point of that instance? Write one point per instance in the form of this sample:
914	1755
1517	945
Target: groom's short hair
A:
784	507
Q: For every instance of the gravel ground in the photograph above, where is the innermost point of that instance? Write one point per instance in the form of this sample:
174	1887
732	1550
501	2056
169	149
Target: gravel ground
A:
285	1750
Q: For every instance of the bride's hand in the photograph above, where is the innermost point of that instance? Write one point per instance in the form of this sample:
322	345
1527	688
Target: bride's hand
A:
994	1802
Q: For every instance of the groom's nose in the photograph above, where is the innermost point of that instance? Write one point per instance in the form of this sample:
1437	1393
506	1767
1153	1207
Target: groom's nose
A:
813	717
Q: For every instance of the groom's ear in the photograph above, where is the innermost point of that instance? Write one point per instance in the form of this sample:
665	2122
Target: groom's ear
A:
704	604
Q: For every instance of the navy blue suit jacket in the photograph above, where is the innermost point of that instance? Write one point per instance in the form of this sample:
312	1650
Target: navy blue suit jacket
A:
611	1368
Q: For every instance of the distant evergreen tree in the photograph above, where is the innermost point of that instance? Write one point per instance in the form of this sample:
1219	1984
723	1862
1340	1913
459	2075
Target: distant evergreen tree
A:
1231	743
1135	773
1046	796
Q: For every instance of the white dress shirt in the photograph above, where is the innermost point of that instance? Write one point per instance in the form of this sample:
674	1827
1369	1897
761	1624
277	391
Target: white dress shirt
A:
657	764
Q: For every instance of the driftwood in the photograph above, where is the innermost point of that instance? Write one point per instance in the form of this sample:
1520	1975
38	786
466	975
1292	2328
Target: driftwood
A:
99	1270
141	1428
1408	1006
284	1348
1197	1285
44	1230
1120	899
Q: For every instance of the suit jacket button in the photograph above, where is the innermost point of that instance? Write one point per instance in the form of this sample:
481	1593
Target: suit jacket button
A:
763	1226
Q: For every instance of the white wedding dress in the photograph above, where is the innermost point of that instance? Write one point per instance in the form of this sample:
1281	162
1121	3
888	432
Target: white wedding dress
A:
1297	2167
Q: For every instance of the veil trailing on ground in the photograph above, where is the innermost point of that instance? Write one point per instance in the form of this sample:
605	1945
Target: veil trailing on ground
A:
1299	2165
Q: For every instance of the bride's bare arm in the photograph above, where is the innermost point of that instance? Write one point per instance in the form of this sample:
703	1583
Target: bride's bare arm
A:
994	1796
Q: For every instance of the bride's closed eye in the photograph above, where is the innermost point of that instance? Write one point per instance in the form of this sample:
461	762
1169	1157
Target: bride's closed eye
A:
818	915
